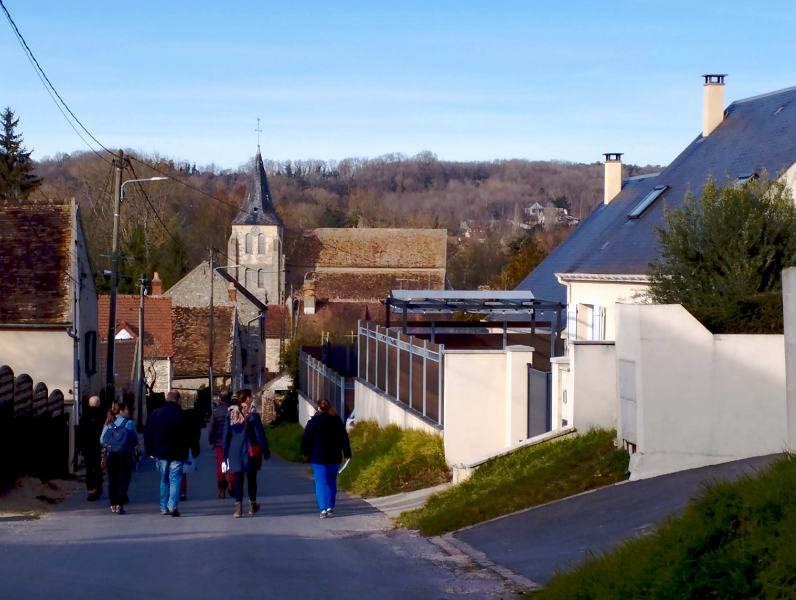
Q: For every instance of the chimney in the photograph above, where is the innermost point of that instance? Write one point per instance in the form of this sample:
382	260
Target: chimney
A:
232	292
309	297
713	105
156	285
613	175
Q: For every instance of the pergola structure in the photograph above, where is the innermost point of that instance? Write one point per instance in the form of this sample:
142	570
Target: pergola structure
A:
488	302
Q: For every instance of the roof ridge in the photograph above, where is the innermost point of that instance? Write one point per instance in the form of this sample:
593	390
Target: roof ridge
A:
758	97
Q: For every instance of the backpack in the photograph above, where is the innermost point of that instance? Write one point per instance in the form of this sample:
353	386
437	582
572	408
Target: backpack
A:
117	437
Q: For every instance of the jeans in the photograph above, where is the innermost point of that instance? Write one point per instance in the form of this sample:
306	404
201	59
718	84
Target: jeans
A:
325	484
170	475
120	466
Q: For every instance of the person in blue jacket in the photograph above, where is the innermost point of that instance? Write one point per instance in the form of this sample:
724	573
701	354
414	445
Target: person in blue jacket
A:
245	447
324	444
120	440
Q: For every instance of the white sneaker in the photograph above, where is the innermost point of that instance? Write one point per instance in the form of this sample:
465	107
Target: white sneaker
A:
329	512
323	514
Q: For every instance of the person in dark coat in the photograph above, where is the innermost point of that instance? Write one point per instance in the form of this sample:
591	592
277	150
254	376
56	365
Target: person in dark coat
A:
245	447
167	438
324	444
89	432
215	435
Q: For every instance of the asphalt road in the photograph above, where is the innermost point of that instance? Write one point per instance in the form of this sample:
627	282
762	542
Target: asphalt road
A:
83	551
536	542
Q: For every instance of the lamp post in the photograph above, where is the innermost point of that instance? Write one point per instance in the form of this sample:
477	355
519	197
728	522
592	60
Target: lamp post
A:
109	369
210	327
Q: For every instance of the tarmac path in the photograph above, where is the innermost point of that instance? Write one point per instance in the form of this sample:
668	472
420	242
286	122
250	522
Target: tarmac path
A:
83	551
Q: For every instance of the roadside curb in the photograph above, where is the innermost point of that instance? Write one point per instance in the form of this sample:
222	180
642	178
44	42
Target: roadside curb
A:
458	548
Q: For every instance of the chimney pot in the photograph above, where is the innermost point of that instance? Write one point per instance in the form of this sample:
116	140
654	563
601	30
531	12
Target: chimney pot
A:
613	175
157	285
713	103
232	292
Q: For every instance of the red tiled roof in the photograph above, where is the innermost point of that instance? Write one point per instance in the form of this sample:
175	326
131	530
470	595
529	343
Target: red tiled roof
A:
36	261
191	333
157	321
273	326
123	362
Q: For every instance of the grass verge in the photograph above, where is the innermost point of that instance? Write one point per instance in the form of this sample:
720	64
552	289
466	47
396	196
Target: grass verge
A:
284	440
734	541
391	460
527	477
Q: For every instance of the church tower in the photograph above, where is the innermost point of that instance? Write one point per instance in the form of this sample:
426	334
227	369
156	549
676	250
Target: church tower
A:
256	241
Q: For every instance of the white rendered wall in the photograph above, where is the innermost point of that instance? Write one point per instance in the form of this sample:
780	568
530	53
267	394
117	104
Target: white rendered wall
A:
45	355
373	405
562	392
605	295
593	398
516	394
306	409
700	399
789	301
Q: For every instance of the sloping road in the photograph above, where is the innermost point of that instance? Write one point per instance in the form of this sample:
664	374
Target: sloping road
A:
535	542
83	551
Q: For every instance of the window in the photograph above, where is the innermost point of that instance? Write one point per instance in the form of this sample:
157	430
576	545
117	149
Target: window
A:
248	243
90	351
261	244
647	201
248	279
261	277
743	178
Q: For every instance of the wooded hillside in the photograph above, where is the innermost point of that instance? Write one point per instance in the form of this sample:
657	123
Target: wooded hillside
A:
389	191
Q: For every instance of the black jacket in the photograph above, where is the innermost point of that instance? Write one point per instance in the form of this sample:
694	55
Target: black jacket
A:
325	440
90	429
169	432
215	428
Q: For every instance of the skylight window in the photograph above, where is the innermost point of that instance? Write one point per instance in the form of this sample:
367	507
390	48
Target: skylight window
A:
743	178
647	201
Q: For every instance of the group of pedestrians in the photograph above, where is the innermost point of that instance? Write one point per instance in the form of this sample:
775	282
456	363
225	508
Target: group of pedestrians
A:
171	439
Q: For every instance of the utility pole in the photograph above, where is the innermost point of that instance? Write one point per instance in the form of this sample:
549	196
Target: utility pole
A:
139	392
210	334
109	374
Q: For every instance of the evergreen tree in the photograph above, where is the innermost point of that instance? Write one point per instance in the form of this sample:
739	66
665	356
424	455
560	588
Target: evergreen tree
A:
173	261
17	180
722	256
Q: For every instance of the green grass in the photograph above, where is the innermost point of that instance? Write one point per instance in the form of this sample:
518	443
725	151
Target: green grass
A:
391	460
284	440
527	477
737	540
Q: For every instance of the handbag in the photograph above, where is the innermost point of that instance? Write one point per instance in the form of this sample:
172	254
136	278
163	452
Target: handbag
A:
254	450
189	466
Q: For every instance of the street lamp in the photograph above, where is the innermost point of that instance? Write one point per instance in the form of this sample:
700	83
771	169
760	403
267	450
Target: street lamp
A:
109	368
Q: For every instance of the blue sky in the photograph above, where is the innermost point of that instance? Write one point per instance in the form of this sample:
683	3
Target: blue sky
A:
466	80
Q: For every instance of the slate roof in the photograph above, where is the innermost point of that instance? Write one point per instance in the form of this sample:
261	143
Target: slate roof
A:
157	321
371	248
756	134
258	206
36	262
191	330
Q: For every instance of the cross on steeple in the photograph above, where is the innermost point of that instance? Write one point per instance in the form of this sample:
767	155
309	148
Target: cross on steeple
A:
259	131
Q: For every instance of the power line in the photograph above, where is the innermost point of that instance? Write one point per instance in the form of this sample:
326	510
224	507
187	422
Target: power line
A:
49	86
149	203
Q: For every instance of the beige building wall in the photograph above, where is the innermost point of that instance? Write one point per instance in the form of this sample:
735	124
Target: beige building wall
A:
605	295
45	355
688	398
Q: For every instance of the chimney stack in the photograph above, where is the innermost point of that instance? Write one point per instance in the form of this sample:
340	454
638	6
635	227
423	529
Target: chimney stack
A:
232	292
309	297
713	104
156	285
613	175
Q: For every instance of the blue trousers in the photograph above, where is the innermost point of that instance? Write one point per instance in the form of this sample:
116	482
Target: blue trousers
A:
325	484
170	476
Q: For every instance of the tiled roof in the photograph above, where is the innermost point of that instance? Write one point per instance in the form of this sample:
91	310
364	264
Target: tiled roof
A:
368	285
756	134
371	248
157	321
274	327
123	362
191	334
258	207
36	262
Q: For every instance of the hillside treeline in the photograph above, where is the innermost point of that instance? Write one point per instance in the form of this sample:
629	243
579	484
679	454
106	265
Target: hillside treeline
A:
171	227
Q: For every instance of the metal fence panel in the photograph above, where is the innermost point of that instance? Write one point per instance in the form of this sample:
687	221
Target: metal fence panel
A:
540	386
404	368
432	391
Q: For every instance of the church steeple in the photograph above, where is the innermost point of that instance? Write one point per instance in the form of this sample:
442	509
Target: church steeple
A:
258	207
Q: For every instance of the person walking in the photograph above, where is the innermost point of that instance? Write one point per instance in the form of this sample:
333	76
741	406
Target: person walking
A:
120	440
89	431
167	440
215	435
197	421
324	444
245	447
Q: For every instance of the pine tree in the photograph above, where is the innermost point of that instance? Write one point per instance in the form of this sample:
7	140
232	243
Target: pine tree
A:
722	256
17	180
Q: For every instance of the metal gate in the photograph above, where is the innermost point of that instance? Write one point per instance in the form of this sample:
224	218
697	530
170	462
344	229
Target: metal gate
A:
540	402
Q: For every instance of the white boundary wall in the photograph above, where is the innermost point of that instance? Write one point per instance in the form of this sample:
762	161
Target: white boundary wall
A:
688	398
306	409
371	404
